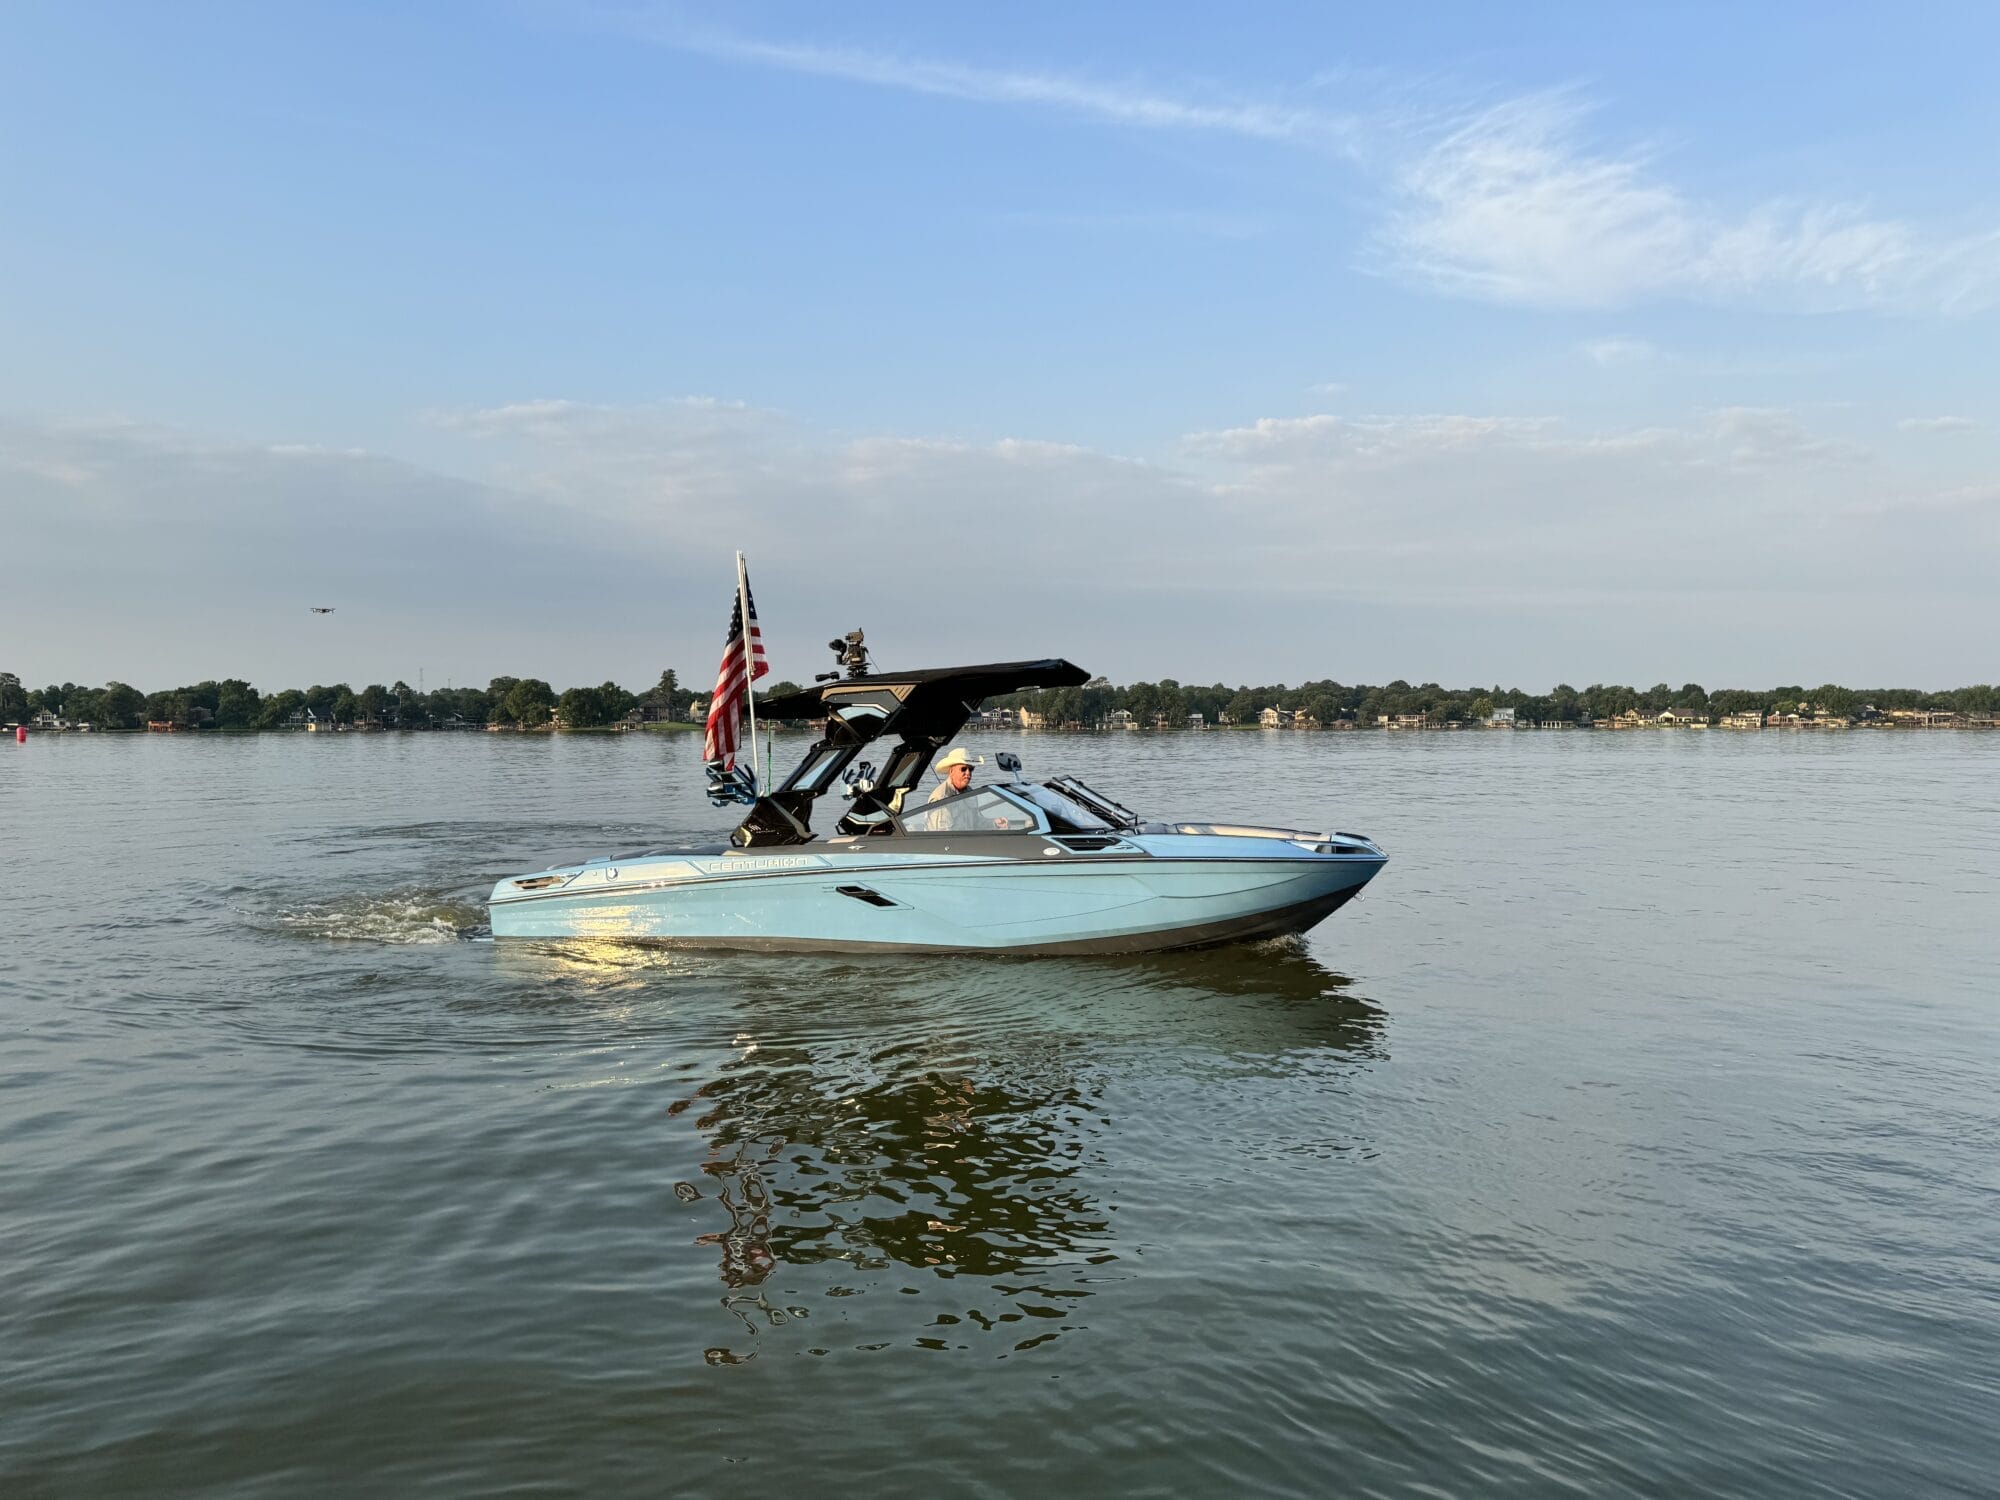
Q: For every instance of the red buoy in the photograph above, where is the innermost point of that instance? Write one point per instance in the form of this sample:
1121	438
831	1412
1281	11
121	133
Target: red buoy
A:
20	734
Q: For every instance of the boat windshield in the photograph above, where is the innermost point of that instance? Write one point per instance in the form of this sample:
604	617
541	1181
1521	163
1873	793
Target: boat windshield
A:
985	810
1113	813
1066	814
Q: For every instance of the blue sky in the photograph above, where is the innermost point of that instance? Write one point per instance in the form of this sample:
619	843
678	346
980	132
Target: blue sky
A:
1472	343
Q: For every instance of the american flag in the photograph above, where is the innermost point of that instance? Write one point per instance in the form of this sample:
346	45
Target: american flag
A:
732	686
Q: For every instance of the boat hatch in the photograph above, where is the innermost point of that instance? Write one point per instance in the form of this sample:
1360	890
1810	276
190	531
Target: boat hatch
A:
864	894
540	882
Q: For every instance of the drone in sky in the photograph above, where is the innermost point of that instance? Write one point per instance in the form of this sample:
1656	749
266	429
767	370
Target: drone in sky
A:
322	609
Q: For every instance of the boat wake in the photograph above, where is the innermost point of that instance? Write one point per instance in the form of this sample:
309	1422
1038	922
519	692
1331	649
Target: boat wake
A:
401	917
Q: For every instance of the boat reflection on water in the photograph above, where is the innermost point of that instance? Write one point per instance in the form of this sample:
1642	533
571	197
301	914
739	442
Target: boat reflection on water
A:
899	1150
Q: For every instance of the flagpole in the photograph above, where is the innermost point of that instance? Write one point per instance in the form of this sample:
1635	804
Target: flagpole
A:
749	668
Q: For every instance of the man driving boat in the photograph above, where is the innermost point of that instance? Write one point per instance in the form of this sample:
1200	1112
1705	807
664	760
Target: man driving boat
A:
954	769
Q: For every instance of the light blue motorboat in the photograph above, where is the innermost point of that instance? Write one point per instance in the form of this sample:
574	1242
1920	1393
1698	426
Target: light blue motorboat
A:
1017	866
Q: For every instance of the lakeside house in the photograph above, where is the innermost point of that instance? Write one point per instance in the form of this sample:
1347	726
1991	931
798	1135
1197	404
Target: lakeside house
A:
1000	718
1922	718
1500	718
1286	718
1666	718
1749	718
1806	716
1121	718
1005	718
194	718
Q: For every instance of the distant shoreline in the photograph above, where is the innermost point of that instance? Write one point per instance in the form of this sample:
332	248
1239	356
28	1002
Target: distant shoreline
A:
245	731
1958	724
529	705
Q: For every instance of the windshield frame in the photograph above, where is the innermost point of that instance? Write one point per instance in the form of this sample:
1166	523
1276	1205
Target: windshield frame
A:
1038	819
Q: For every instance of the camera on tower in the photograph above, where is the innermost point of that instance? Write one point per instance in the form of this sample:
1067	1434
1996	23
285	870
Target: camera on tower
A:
849	653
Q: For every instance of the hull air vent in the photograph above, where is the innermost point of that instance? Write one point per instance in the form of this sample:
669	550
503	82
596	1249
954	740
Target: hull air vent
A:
1084	842
862	893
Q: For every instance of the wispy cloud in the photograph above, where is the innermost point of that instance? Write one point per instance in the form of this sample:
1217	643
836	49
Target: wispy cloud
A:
1764	436
559	419
1503	208
1510	202
1940	424
1514	204
1125	104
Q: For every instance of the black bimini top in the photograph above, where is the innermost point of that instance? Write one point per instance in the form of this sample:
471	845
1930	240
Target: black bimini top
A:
934	700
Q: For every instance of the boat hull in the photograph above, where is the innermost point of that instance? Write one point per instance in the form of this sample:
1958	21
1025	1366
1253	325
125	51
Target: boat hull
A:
1146	896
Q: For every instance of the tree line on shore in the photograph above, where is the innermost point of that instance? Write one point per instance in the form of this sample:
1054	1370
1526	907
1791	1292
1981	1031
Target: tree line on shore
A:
529	702
1171	702
232	703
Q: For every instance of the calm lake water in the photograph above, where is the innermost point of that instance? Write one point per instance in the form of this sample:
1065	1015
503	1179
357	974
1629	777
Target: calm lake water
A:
1636	1132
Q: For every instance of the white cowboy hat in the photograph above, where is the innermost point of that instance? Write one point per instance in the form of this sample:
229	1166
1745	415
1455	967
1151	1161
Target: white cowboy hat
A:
957	757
